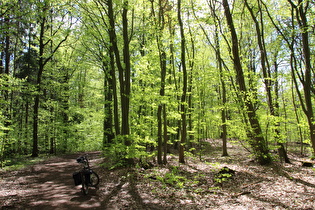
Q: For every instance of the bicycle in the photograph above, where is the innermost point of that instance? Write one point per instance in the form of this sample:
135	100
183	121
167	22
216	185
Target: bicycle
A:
86	176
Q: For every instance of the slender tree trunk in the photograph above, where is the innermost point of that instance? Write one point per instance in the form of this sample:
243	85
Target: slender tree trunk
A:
183	101
42	61
161	110
7	47
254	134
108	134
191	64
299	12
125	96
114	86
281	150
38	83
268	79
223	114
1	63
161	113
160	136
224	99
220	63
7	56
165	135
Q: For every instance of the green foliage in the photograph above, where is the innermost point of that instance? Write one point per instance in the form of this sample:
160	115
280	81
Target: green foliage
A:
173	178
176	178
222	178
19	162
223	175
72	96
120	153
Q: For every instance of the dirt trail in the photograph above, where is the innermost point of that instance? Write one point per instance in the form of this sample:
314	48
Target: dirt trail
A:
48	185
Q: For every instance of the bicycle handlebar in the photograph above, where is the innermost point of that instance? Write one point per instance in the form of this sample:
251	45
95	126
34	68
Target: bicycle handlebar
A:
81	159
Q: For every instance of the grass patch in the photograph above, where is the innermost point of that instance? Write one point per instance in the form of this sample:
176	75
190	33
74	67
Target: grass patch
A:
16	163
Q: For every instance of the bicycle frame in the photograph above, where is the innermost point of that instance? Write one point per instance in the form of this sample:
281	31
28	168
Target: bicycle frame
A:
89	178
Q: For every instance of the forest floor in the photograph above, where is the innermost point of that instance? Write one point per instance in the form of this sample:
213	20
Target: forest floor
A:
49	184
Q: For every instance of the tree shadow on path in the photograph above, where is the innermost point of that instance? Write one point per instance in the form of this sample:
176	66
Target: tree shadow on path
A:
47	185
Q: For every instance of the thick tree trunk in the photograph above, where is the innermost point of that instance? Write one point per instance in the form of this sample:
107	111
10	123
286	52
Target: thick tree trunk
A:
124	70
307	83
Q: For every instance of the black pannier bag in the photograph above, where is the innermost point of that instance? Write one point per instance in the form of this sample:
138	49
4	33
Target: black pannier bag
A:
87	176
77	178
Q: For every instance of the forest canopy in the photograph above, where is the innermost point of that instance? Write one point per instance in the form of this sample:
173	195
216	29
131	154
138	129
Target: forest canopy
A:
144	78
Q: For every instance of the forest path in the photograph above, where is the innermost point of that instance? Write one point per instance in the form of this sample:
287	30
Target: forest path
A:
49	185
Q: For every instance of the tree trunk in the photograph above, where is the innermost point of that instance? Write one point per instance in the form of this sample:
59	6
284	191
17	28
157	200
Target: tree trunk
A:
165	135
161	108
273	109
300	11
6	56
223	87
161	113
42	61
108	134
159	134
6	44
38	83
184	90
254	134
125	95
108	119
191	62
307	83
124	70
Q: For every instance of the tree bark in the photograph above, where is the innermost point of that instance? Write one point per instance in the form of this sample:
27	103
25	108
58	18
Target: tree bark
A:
223	87
42	61
254	133
307	83
38	81
123	70
125	96
273	109
183	100
108	134
159	134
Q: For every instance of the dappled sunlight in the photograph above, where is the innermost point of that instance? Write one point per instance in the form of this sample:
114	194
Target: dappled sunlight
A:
49	185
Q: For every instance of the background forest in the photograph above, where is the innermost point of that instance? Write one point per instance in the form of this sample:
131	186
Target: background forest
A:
143	78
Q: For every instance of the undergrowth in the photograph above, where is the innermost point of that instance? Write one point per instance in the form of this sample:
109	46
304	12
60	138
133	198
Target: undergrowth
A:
20	162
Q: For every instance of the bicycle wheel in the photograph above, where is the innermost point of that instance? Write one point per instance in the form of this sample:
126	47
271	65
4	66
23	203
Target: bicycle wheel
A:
85	187
94	179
